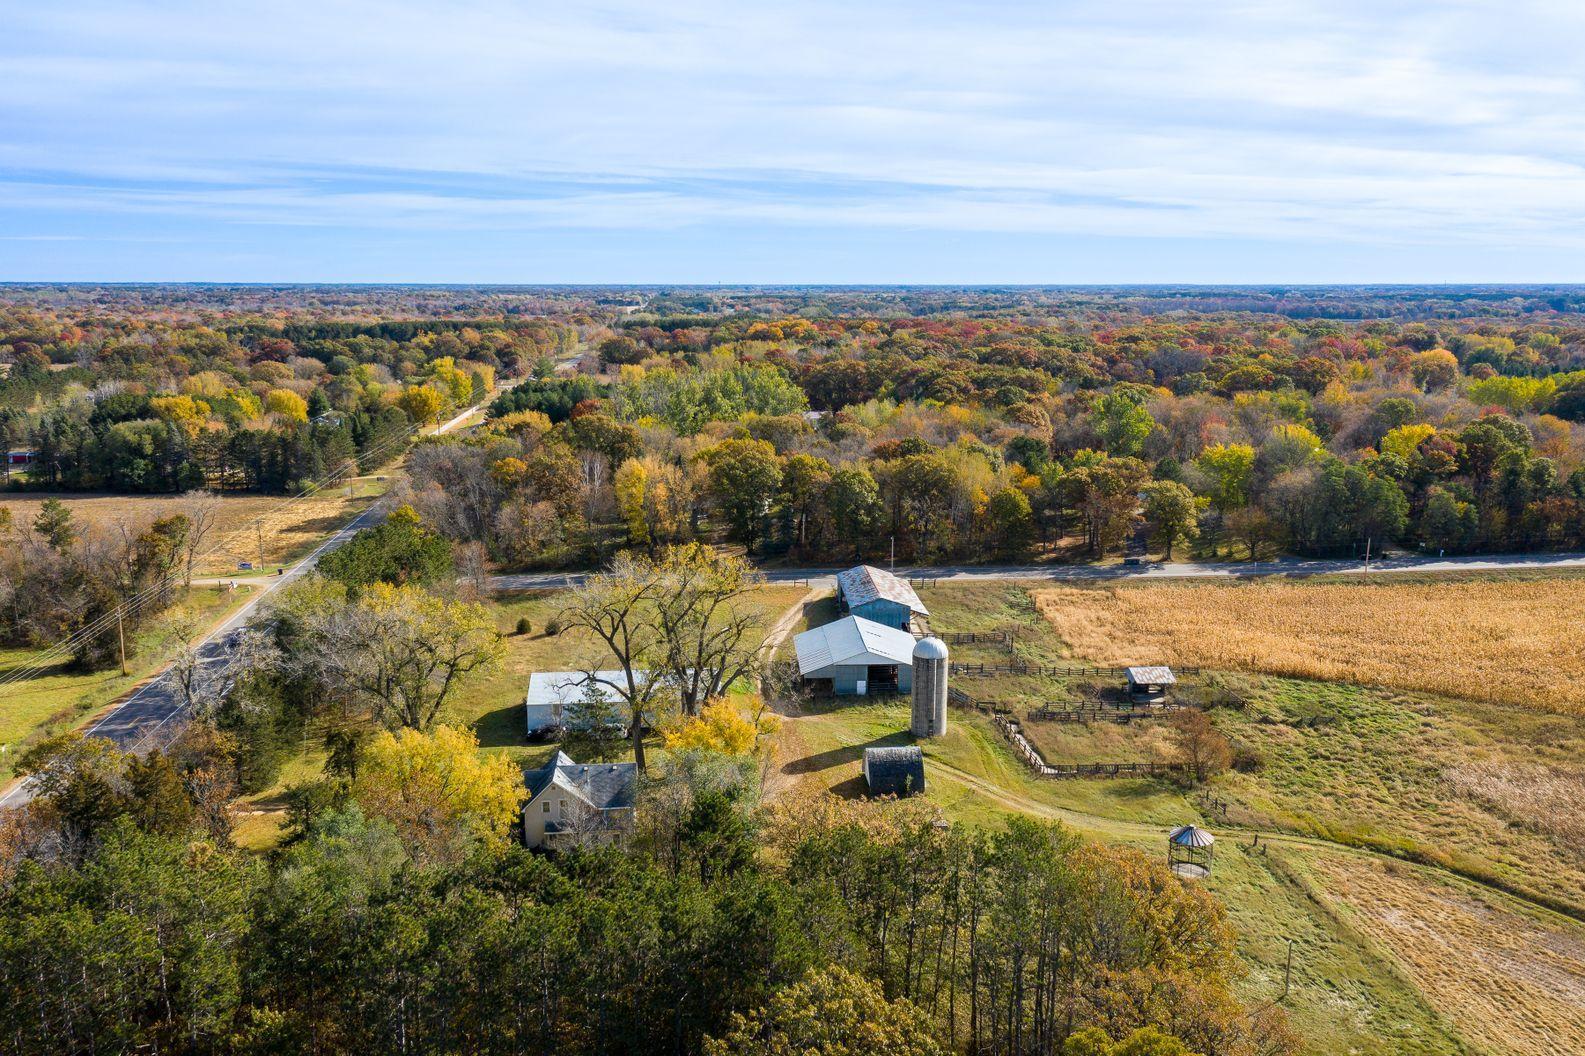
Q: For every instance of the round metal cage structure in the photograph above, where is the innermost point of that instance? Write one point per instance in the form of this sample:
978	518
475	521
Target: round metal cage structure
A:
1190	851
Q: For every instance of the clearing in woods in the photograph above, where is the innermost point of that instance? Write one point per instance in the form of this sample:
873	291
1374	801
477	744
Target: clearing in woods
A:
1516	641
289	530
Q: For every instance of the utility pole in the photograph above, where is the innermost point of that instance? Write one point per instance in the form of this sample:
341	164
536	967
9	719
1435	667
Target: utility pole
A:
894	553
258	535
121	642
1367	553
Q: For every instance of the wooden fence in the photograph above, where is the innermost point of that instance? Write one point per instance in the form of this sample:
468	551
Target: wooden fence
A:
1017	667
1002	716
1100	712
1001	638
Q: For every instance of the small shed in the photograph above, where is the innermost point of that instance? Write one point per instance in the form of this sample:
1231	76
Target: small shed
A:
878	595
857	656
1148	685
898	771
1189	852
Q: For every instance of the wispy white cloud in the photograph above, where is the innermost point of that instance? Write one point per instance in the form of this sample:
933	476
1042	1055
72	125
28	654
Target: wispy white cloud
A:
1453	123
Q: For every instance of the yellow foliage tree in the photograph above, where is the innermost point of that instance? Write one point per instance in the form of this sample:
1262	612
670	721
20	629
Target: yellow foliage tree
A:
287	404
1405	440
721	727
441	795
184	411
421	403
629	484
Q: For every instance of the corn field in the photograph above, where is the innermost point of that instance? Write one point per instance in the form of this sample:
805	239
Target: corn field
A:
1510	642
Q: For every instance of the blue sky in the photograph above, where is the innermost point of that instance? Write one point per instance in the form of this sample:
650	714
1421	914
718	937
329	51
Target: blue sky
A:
816	141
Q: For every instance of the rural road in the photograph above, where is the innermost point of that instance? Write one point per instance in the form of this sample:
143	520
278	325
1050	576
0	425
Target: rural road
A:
137	721
1297	567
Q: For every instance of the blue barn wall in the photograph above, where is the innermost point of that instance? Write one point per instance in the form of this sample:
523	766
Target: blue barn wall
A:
885	611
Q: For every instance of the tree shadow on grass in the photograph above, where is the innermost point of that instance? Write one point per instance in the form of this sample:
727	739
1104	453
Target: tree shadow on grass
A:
502	728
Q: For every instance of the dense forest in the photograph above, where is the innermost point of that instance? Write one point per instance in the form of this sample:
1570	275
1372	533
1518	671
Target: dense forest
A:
404	922
822	425
129	402
1224	434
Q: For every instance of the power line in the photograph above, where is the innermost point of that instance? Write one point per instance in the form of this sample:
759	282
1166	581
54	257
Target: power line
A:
55	652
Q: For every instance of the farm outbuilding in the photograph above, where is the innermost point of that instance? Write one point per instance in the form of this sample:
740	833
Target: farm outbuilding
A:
1148	685
857	656
898	771
550	692
875	594
929	718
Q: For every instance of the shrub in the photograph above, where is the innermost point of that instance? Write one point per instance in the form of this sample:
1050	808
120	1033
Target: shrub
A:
525	625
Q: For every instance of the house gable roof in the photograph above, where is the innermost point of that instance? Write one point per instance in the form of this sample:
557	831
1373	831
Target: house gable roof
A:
852	641
866	583
604	786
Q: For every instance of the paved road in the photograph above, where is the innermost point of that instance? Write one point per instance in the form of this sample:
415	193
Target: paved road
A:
1296	567
147	718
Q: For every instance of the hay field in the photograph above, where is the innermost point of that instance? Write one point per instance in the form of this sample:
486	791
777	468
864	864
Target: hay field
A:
289	529
1509	982
1516	642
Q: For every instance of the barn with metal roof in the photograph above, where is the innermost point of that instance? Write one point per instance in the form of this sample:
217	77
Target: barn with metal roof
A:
878	595
857	656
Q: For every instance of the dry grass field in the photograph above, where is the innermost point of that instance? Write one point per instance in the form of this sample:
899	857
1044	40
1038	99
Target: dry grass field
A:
1515	642
1511	982
289	529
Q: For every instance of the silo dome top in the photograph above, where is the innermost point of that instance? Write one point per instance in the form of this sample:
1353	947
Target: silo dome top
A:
930	649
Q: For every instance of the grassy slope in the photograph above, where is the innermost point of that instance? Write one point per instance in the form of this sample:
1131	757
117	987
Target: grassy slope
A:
42	706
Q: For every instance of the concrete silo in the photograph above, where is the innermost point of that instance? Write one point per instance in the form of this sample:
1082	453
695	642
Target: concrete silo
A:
930	688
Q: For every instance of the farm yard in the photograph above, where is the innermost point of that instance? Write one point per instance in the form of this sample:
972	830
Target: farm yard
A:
491	706
1399	829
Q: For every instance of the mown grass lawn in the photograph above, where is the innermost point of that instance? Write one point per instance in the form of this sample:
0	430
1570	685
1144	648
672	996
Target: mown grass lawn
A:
491	705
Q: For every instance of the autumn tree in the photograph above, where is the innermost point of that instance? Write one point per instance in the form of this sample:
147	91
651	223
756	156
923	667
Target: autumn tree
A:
403	650
834	1013
421	403
1172	515
1011	521
710	636
618	606
440	793
287	404
721	727
1203	748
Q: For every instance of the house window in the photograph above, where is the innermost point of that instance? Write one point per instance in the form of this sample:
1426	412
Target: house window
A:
546	806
